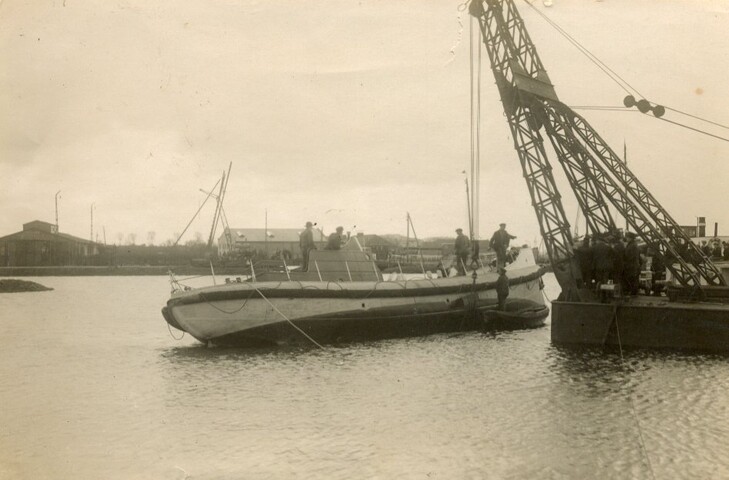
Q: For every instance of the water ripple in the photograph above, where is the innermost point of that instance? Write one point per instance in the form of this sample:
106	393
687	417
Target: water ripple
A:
100	390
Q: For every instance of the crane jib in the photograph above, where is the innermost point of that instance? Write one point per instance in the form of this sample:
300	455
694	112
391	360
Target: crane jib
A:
594	171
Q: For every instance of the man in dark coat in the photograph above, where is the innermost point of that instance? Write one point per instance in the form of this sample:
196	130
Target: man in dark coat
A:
716	250
306	243
658	270
336	239
462	250
631	272
500	244
603	258
618	248
502	288
586	260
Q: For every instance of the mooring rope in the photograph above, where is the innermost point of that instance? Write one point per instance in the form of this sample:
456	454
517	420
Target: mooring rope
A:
632	404
287	319
171	335
245	302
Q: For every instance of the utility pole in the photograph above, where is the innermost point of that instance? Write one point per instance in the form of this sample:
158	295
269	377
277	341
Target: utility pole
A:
91	236
57	210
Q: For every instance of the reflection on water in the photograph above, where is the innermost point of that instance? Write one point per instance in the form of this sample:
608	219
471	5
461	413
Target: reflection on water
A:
94	387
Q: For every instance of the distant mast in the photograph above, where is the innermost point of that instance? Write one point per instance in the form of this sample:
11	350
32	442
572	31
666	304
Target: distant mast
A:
475	127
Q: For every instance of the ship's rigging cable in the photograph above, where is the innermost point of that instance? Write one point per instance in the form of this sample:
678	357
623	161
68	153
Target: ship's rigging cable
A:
622	109
697	118
198	212
620	81
630	398
695	129
602	107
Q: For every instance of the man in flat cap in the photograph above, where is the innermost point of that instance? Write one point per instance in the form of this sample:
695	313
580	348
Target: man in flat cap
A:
500	244
463	250
306	243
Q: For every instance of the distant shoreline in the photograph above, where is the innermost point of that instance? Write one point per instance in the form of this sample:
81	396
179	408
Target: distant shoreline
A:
126	270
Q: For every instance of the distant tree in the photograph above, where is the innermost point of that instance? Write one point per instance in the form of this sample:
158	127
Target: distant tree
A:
119	238
132	239
150	238
198	237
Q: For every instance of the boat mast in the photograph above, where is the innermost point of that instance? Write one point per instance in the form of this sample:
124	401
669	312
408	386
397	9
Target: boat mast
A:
219	206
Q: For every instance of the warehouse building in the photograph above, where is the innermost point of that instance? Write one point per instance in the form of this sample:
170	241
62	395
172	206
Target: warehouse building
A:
41	244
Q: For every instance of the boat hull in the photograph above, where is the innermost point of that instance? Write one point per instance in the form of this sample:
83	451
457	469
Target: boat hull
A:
643	322
291	313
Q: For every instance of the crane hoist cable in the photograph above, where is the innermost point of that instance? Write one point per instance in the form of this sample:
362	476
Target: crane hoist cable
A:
622	83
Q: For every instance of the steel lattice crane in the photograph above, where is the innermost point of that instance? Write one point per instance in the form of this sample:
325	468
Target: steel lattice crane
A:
595	173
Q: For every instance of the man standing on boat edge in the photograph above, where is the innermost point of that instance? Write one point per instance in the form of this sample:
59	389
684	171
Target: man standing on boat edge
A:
306	243
500	244
463	250
502	288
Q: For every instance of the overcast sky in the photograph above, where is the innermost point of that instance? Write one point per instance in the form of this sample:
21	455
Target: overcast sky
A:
339	112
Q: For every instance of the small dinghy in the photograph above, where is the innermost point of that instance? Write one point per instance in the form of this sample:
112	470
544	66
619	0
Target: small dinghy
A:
518	314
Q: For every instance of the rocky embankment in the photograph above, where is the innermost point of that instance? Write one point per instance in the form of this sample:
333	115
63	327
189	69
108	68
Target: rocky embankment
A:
12	286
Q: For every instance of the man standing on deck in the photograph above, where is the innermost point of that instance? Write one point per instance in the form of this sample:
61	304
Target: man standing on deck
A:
306	243
618	255
336	239
502	288
463	250
586	260
631	267
602	256
500	244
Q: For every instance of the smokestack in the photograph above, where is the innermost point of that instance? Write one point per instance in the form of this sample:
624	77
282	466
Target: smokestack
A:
716	229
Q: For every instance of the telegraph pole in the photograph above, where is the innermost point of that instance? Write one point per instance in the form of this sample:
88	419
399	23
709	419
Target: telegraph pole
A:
91	236
57	210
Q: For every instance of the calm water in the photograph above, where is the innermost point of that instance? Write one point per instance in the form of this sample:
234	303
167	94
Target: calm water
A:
92	386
